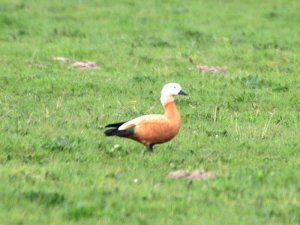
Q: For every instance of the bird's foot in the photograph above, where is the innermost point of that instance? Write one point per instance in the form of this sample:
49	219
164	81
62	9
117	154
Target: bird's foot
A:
149	148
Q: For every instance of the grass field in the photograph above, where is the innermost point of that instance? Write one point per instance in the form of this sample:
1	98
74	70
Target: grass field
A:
56	166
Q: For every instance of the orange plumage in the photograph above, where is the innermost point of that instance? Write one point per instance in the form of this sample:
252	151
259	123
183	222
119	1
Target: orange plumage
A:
152	129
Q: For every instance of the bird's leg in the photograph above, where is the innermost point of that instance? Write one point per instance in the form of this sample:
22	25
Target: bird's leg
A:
149	148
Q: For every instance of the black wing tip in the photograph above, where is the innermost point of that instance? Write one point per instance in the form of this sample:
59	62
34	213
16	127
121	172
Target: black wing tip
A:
115	124
119	133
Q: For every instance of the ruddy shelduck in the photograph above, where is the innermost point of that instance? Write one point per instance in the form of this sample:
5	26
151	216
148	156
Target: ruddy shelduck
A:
152	129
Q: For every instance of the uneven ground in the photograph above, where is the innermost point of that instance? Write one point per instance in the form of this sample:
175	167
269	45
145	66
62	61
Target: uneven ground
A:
56	167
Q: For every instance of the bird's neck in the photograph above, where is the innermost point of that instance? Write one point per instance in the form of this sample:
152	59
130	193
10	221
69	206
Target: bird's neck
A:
171	111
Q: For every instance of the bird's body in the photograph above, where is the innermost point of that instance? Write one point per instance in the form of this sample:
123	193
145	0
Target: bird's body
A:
152	129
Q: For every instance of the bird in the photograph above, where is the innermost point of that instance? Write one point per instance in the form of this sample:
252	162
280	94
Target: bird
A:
152	129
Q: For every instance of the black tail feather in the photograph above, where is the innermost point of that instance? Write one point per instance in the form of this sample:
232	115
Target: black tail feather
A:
110	132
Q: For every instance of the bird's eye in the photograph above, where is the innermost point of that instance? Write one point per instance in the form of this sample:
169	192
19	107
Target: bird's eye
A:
174	87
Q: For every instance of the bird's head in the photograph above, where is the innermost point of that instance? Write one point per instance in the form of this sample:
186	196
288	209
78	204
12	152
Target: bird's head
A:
169	91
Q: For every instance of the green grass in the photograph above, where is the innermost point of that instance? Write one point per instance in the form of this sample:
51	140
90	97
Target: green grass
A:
56	167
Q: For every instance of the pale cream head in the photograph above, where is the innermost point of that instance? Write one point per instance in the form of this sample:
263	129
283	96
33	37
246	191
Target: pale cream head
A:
169	91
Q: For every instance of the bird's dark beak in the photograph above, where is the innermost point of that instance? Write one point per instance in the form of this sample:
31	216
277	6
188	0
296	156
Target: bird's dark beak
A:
181	92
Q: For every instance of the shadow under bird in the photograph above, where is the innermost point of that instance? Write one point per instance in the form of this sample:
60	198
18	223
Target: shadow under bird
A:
152	129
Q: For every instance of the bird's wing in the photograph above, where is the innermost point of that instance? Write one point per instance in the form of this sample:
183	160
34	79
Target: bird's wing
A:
153	118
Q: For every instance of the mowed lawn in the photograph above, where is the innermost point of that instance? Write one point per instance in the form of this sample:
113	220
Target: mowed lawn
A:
57	167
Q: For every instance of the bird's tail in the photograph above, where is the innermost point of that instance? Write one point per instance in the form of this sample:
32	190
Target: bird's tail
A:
111	132
114	130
